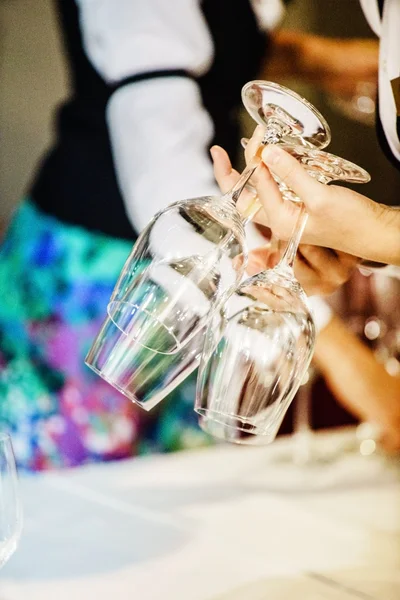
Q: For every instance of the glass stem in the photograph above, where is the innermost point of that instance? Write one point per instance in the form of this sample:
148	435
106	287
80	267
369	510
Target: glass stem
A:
271	136
302	428
239	186
302	407
287	261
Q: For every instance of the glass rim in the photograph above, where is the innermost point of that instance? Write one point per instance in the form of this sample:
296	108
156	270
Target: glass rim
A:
217	417
289	92
252	440
144	405
120	303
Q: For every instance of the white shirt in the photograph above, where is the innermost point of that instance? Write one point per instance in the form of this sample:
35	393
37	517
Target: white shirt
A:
388	29
159	128
159	147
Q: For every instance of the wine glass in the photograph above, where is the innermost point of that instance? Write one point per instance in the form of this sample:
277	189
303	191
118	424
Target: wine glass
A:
247	382
144	376
381	328
10	505
193	254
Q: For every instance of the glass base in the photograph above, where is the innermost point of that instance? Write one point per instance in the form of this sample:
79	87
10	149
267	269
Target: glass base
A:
234	430
300	122
115	385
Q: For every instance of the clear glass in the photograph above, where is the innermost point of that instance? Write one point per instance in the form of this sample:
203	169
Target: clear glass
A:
185	264
144	376
290	117
383	330
193	254
303	433
247	382
10	504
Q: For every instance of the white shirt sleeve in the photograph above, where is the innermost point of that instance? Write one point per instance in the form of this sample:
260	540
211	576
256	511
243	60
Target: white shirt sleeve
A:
159	128
269	13
321	312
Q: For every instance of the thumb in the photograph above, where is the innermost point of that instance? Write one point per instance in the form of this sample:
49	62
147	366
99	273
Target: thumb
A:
287	169
224	173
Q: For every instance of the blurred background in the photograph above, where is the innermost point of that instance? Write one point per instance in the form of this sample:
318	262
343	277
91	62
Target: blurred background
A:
62	415
34	80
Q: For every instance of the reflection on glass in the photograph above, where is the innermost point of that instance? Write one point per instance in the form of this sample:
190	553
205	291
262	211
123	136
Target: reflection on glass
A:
10	504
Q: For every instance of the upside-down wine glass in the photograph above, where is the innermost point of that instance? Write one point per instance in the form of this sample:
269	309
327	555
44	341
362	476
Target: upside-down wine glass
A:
193	253
381	328
248	380
10	504
186	262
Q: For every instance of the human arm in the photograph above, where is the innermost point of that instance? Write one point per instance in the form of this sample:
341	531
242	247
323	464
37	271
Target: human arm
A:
334	64
159	128
358	380
319	270
338	218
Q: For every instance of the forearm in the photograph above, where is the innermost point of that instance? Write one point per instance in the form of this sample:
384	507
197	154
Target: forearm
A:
356	378
159	129
160	149
377	236
338	218
319	59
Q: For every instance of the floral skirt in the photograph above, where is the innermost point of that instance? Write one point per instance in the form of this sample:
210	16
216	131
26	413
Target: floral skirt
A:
55	282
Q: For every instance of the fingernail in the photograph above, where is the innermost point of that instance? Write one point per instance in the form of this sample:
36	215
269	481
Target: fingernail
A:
271	155
213	151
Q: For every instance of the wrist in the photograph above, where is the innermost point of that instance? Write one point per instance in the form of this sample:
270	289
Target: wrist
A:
389	221
328	342
382	234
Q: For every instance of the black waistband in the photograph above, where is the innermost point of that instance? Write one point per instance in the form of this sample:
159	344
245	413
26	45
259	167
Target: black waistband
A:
159	73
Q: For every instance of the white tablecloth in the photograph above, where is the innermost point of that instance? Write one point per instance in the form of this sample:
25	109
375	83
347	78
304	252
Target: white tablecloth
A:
222	523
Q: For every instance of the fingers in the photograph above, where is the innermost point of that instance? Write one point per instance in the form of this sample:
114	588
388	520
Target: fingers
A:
276	212
253	145
261	259
289	170
340	265
226	178
309	280
224	173
322	269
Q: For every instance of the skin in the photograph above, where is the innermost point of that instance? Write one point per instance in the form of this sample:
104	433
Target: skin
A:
360	382
374	396
335	65
319	270
338	218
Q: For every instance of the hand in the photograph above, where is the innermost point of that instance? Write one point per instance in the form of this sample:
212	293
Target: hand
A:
319	270
337	217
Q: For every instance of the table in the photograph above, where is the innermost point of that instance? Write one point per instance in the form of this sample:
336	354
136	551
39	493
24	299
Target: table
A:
213	524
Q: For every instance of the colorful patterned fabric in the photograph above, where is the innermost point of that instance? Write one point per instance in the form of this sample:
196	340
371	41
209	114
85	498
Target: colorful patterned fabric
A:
55	282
